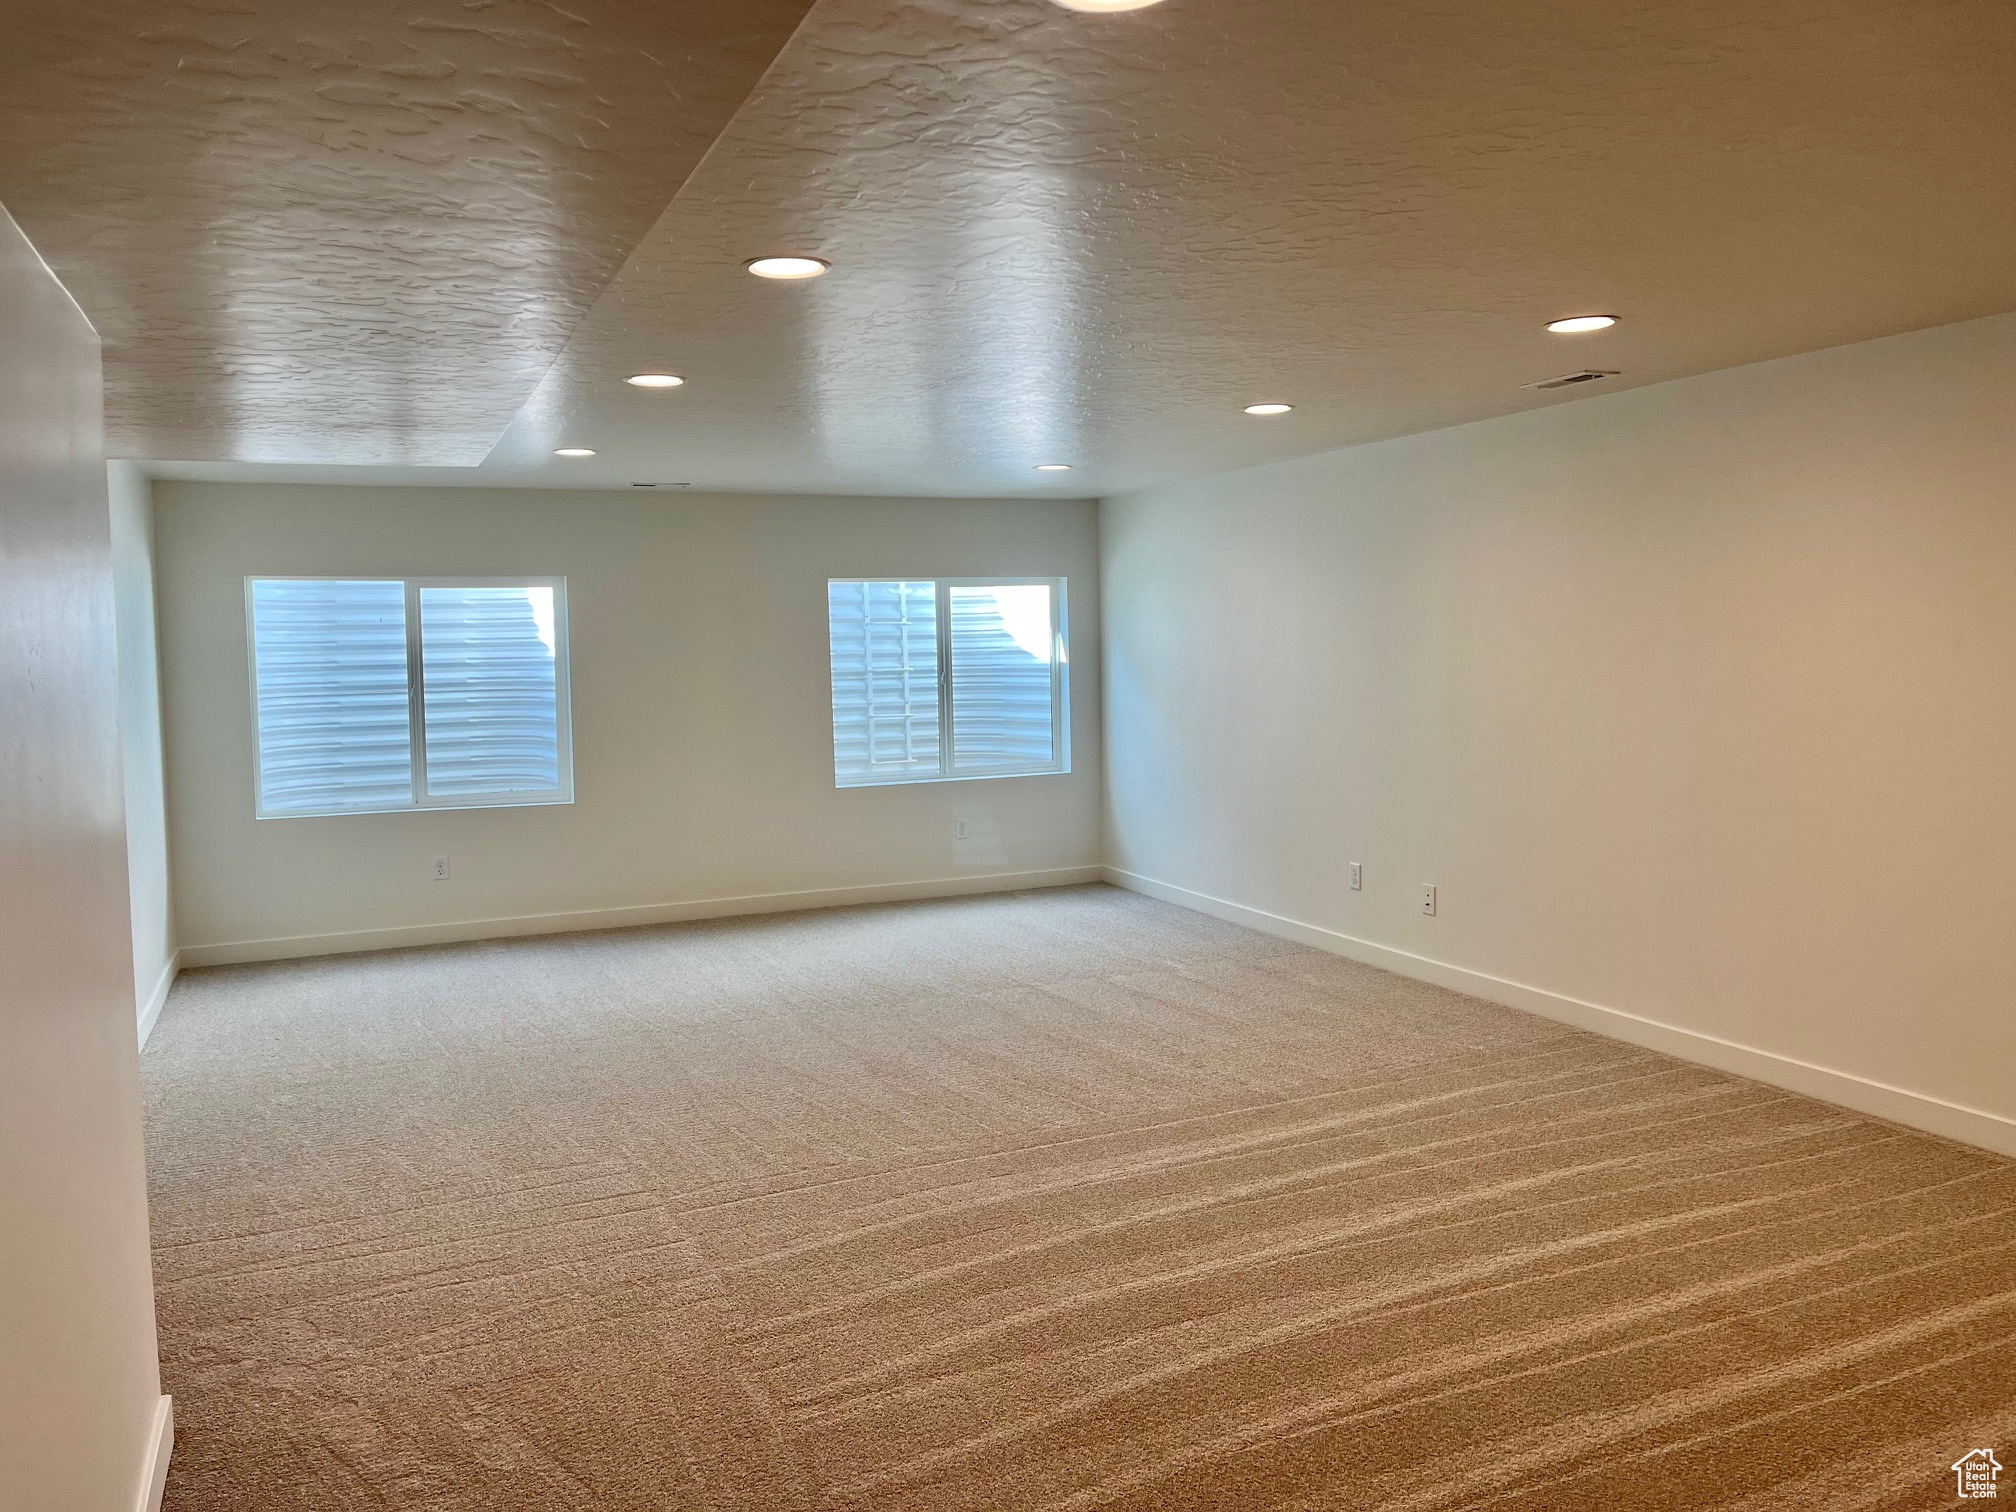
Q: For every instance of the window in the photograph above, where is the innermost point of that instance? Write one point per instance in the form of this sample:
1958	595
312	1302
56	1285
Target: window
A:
950	678
387	693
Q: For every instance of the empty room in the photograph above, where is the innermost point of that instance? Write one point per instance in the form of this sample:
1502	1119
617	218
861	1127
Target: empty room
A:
1007	755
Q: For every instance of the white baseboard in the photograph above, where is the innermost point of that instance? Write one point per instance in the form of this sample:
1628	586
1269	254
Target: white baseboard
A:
1918	1110
154	1476
150	1011
296	947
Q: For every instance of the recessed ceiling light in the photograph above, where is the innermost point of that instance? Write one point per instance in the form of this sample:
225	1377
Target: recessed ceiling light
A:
1053	467
1575	325
1268	409
788	267
653	380
1107	5
572	451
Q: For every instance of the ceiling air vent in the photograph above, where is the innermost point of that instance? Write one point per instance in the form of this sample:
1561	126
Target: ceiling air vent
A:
1571	380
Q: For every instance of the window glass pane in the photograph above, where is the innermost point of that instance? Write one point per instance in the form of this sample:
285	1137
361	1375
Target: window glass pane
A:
491	696
330	662
884	648
1004	646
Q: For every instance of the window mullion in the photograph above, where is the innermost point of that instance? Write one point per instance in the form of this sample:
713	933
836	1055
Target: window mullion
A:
416	695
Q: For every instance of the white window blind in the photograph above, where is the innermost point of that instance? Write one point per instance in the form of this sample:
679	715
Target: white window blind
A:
885	680
942	679
490	691
1004	651
408	693
334	713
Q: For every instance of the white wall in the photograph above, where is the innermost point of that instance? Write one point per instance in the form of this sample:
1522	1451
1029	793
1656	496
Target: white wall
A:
1697	702
79	1389
140	740
702	712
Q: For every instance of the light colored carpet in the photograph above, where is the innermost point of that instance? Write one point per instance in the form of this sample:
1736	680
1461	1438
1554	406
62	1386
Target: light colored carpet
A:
1066	1200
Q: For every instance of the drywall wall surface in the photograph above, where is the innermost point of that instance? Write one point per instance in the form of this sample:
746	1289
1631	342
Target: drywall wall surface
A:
703	753
140	738
79	1386
1694	702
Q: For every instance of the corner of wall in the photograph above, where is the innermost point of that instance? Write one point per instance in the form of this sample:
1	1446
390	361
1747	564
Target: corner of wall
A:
152	1004
154	1468
130	494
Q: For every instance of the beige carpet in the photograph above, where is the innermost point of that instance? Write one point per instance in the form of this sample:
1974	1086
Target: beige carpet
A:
1067	1200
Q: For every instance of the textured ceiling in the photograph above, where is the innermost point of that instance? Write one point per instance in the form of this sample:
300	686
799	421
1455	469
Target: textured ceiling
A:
1094	238
359	231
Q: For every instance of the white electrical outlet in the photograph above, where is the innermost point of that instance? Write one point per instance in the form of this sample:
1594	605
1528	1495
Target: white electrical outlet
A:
958	829
440	868
1357	876
1428	899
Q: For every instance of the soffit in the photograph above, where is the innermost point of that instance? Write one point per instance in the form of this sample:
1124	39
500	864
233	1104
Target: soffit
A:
357	232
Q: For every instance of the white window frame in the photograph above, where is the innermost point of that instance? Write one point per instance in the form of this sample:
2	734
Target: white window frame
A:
416	695
1060	684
